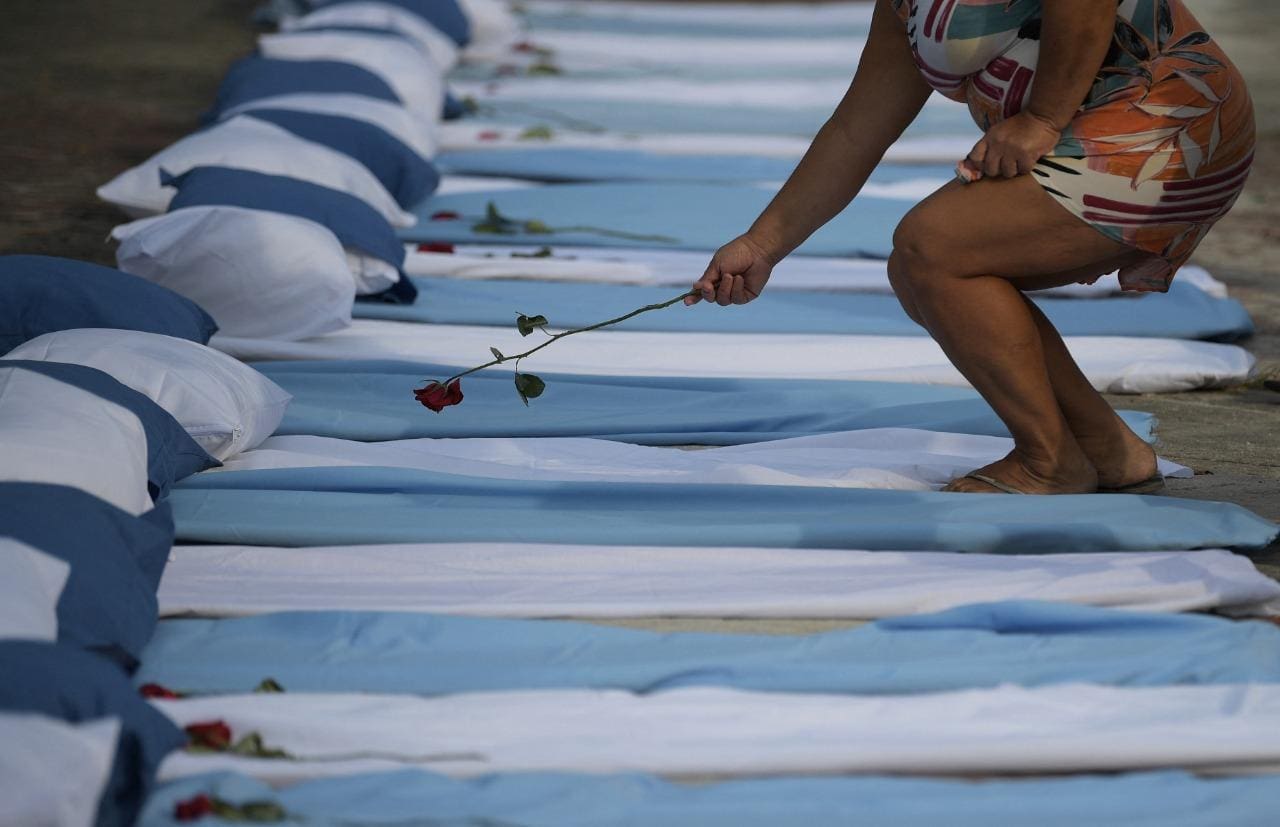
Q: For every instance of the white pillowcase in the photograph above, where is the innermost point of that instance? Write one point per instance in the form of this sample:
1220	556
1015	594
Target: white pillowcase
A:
415	78
493	26
374	15
261	275
391	117
52	432
258	146
372	275
53	773
29	592
225	405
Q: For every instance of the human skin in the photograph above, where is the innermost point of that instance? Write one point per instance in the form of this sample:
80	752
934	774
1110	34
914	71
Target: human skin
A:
963	256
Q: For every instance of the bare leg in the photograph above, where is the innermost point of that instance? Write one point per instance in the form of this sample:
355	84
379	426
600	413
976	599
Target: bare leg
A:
957	258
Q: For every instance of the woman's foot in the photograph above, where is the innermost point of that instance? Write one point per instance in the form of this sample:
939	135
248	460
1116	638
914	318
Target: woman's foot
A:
1068	473
1120	457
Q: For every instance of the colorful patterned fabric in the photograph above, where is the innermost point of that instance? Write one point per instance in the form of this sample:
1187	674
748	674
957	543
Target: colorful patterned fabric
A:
1159	150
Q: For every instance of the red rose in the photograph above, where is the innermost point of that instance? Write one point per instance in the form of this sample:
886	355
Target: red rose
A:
437	397
445	215
155	690
524	46
488	135
435	247
193	808
214	735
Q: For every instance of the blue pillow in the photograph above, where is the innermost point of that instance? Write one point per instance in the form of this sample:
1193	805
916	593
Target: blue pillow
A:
172	454
74	686
453	107
43	294
354	222
445	15
408	176
109	602
253	78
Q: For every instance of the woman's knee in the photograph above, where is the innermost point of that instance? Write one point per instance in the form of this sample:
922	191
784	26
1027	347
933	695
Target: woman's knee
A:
902	288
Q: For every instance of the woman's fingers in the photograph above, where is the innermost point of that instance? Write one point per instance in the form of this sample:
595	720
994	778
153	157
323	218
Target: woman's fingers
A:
724	292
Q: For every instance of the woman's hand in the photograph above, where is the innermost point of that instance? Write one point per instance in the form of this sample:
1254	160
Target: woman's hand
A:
1010	148
736	275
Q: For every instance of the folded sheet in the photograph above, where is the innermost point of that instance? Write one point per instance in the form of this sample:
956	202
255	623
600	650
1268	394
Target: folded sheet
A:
1185	312
369	401
556	164
987	645
1114	364
1150	799
704	730
360	505
671	215
680	268
903	459
481	133
563	580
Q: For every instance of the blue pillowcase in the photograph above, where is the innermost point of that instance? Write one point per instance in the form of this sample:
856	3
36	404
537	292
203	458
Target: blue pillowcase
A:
109	602
453	107
355	223
74	686
43	294
253	78
172	454
408	176
445	15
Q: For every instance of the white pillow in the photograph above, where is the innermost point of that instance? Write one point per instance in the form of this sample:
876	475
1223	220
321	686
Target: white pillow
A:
372	275
391	117
261	275
258	146
29	592
493	26
53	773
52	432
415	78
225	405
376	15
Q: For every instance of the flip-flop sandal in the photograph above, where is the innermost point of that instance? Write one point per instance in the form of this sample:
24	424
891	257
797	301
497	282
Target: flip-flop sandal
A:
1002	487
1151	485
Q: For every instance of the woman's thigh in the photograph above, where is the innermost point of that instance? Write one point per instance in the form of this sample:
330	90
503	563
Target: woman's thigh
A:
1006	227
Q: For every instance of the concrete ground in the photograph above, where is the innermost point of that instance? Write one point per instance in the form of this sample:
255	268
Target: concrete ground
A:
94	87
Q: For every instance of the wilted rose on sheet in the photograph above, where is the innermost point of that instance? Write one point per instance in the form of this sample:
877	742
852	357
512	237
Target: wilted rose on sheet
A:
211	735
254	812
439	395
155	690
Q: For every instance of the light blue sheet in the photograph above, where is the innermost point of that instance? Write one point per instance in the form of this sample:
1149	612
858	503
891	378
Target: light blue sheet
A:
1027	643
647	117
695	216
562	164
1185	312
725	26
356	505
419	799
371	401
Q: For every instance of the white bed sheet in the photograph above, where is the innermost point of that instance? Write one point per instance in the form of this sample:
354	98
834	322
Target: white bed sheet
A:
542	581
479	134
903	459
680	268
715	731
1113	364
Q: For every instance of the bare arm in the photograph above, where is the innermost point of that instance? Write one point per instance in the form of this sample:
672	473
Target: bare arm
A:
1074	37
885	96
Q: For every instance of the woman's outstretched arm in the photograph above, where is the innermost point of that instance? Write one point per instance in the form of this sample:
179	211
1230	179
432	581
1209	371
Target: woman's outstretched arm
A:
885	96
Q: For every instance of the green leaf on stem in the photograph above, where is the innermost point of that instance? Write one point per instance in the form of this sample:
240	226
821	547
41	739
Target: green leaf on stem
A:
529	386
252	745
536	227
268	685
528	324
536	133
497	354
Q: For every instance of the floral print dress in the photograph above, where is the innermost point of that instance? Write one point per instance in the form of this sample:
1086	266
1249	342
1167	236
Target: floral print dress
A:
1159	150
